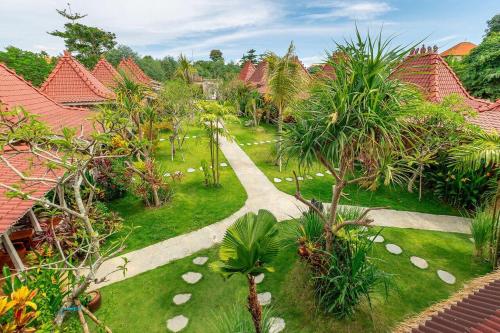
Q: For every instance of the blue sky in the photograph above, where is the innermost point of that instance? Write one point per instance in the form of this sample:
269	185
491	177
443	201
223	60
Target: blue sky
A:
194	27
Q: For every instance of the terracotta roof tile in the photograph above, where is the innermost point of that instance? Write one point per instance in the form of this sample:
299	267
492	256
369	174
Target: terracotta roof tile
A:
71	83
246	71
432	75
15	91
258	79
461	49
12	209
106	73
131	69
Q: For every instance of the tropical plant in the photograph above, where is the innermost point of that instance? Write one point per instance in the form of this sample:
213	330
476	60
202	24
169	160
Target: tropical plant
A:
249	247
213	117
356	117
185	70
33	67
481	228
347	277
18	311
286	80
237	320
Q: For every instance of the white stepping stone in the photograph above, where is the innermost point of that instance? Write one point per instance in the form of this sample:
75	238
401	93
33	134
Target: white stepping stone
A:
201	168
393	248
162	139
300	178
194	136
166	174
223	164
181	299
276	325
200	261
249	144
275	140
277	180
419	262
264	298
309	177
259	278
255	143
242	144
187	137
376	239
268	141
319	174
177	324
192	277
191	170
288	179
446	277
328	172
262	142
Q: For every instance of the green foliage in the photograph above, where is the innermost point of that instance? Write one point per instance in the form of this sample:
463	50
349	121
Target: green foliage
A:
249	246
480	229
33	67
89	42
250	56
169	66
235	319
482	68
185	69
493	25
349	277
119	52
216	69
153	68
216	55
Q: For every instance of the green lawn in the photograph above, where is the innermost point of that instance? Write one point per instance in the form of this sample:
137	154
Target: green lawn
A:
144	303
193	205
321	187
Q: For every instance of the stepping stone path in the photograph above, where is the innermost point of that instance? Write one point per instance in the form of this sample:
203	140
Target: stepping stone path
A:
277	180
376	239
242	144
419	262
268	141
300	178
255	143
223	164
393	248
187	137
191	170
446	277
319	174
276	324
194	136
200	261
162	139
192	277
262	142
249	144
309	177
259	278
328	172
264	298
181	299
177	324
167	174
288	179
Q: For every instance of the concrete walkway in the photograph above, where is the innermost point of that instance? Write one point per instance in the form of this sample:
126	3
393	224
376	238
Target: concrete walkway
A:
262	194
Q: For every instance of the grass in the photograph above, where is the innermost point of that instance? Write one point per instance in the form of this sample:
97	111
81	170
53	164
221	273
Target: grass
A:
320	188
144	303
193	206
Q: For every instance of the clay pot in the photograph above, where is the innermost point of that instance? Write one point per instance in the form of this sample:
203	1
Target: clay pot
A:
95	301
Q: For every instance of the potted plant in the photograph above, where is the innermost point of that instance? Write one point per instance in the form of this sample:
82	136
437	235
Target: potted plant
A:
91	300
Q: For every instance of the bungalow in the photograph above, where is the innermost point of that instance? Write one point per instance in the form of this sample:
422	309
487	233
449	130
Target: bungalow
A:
106	73
70	83
16	213
132	70
459	51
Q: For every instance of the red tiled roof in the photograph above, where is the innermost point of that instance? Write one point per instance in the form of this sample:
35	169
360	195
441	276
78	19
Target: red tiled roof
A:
477	312
12	209
71	83
431	74
258	79
106	73
130	68
461	49
246	71
15	91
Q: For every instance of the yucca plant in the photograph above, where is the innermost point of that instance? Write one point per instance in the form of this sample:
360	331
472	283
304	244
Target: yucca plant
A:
249	247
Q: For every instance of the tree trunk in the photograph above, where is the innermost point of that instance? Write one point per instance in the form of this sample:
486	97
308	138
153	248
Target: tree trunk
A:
217	153
212	157
156	198
280	129
253	304
336	195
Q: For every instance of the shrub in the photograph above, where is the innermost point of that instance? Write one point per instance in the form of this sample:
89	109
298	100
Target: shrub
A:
237	320
481	228
110	178
347	278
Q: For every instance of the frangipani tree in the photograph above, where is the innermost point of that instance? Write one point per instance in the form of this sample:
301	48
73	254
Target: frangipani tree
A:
352	124
249	247
286	80
213	117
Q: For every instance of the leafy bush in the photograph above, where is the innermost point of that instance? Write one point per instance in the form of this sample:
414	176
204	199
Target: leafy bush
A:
110	178
481	228
347	278
237	320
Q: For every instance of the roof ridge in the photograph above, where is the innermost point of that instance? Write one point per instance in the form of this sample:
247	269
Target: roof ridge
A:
80	70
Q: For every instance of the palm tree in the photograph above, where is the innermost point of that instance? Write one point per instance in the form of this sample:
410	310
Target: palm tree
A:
285	80
249	247
481	152
185	70
356	117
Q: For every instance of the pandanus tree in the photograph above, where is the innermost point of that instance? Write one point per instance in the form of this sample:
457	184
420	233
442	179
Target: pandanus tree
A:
213	117
352	124
249	247
483	151
286	80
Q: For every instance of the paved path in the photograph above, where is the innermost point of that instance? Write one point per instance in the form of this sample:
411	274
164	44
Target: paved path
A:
262	194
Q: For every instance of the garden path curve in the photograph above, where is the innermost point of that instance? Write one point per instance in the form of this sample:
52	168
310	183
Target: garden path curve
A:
262	194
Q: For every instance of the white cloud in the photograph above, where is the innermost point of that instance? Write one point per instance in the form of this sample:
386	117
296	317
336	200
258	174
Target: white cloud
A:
355	10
